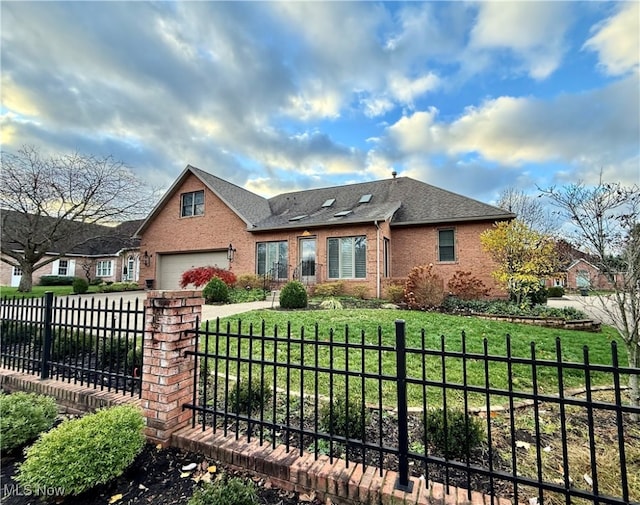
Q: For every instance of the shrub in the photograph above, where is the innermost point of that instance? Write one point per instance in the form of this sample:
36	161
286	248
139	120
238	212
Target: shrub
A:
216	291
225	491
23	416
252	281
200	276
395	293
555	292
134	359
245	398
82	453
238	295
461	435
423	288
80	285
466	287
56	280
293	296
344	419
360	292
70	344
331	303
329	289
113	287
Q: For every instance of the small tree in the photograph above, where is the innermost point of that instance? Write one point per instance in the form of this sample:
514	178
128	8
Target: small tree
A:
524	257
606	222
423	288
43	200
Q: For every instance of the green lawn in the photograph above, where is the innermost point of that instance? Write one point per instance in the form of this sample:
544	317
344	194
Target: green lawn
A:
39	291
356	323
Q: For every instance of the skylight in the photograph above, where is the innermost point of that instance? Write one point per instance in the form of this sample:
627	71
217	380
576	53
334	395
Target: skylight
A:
298	218
342	213
329	202
365	198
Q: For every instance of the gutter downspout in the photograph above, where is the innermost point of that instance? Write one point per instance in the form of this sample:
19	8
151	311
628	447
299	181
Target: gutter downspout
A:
377	259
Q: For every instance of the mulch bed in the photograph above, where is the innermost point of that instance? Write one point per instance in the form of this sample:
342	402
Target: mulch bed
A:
156	477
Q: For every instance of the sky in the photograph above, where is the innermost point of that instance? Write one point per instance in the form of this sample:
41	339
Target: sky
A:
471	97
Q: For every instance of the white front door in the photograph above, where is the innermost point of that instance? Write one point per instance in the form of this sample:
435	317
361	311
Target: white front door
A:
16	275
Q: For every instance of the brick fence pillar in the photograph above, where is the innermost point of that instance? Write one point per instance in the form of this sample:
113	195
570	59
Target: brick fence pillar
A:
167	374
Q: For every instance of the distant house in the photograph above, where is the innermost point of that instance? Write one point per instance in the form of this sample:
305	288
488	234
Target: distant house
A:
583	274
367	234
113	255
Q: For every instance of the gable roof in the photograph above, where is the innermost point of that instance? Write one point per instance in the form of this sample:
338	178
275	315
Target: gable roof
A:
97	239
245	204
402	201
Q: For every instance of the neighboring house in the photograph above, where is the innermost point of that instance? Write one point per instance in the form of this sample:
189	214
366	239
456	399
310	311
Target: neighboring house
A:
367	234
114	256
583	274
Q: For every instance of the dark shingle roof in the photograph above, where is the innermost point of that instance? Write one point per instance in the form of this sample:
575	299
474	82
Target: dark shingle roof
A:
403	200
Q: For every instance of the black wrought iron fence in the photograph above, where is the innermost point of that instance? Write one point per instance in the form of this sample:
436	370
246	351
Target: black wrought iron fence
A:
505	425
91	342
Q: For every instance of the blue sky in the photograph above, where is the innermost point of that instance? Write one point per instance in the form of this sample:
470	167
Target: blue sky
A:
470	97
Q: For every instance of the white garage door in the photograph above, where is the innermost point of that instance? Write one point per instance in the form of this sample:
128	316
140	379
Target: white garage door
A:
171	266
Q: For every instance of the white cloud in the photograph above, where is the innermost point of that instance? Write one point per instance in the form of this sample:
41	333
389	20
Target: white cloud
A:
617	40
533	31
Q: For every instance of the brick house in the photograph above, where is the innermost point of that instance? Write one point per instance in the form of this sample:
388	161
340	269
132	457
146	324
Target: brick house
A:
109	253
367	234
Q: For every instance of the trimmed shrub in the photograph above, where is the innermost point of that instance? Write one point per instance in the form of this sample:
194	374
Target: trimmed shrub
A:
200	276
467	287
344	419
23	416
461	435
244	399
360	292
56	280
329	289
216	291
252	281
423	289
225	491
113	287
293	296
80	285
82	453
395	293
555	292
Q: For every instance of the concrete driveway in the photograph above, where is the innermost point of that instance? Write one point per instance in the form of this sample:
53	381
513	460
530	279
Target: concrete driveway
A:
593	306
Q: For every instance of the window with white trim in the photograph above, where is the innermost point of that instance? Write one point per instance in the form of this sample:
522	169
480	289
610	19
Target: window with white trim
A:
104	268
446	245
192	204
273	259
63	267
347	257
17	271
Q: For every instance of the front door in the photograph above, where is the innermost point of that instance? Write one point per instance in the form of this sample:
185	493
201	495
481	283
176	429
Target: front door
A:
307	260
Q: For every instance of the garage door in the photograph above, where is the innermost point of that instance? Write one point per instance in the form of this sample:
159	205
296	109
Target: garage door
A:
171	266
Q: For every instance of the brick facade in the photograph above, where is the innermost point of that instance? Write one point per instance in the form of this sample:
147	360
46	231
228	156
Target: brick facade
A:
219	226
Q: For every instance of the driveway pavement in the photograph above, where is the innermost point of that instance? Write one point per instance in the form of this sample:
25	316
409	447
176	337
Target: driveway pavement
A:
591	305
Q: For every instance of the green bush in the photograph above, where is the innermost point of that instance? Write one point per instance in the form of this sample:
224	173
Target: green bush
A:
134	359
555	292
115	287
23	416
56	280
70	344
82	453
216	291
395	293
329	289
239	295
293	296
244	399
225	491
461	435
252	281
80	285
344	419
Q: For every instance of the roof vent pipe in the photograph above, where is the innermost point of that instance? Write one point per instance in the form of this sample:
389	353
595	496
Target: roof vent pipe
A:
394	173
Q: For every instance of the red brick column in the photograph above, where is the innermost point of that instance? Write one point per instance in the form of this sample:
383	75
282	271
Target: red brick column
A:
167	374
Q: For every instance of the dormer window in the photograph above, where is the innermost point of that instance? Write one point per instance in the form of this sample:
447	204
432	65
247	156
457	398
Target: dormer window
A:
192	204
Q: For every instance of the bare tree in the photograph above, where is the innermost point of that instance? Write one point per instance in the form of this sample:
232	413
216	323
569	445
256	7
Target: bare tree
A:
530	210
606	222
44	201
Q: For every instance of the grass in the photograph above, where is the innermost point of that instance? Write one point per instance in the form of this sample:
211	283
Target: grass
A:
372	327
39	291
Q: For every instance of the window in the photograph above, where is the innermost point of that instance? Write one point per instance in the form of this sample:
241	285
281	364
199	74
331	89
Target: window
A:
63	267
273	259
446	245
103	268
385	258
17	271
192	204
347	257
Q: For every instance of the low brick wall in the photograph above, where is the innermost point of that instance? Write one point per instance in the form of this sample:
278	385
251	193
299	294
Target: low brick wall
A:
547	322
